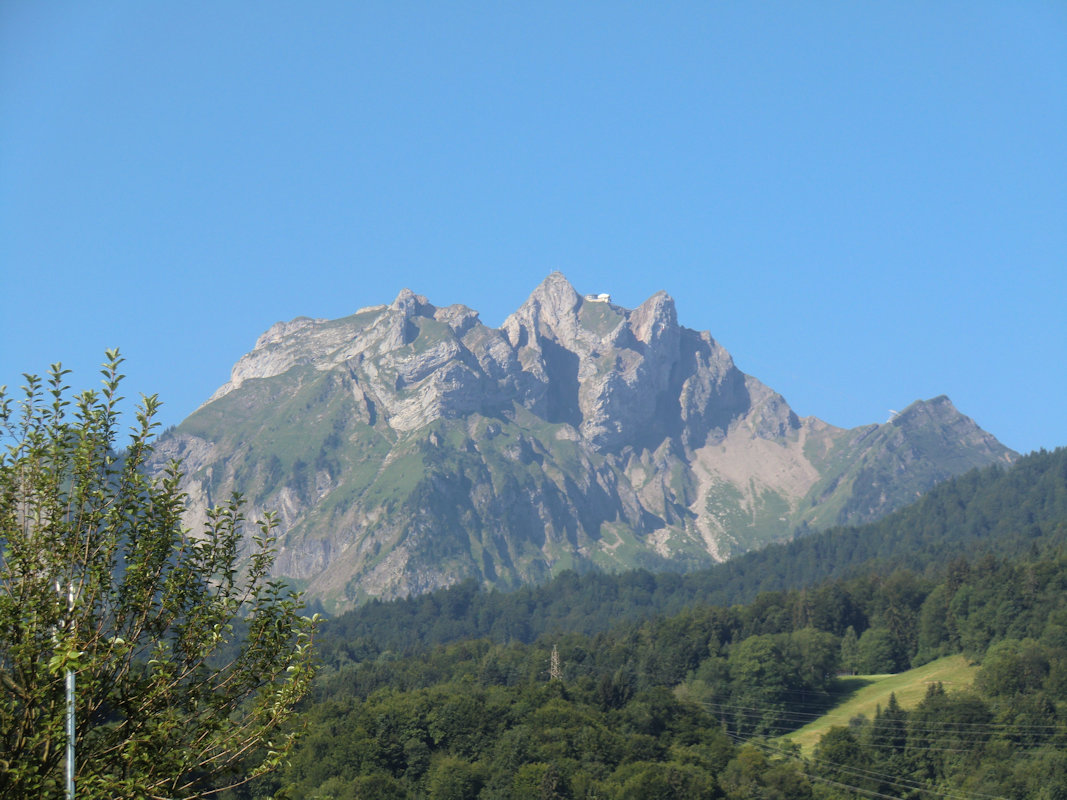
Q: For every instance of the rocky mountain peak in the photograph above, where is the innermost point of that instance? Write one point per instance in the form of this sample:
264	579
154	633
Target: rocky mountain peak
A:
280	330
936	422
551	311
940	406
555	292
407	446
412	305
650	320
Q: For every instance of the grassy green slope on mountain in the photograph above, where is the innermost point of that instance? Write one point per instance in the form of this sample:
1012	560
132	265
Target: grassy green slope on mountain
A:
750	521
285	429
600	318
863	695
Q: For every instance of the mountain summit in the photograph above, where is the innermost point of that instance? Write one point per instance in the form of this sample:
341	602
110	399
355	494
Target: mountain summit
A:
410	446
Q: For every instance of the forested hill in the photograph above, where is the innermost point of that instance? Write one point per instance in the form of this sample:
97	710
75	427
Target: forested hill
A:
689	705
997	511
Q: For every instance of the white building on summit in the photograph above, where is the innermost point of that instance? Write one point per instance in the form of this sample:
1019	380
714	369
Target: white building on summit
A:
598	298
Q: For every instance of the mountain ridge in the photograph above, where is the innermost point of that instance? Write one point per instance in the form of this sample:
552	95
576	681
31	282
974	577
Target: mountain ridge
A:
408	446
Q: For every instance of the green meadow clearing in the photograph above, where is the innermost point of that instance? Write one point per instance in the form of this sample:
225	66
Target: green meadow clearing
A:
864	694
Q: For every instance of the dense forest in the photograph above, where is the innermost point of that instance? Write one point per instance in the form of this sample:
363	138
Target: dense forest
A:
662	686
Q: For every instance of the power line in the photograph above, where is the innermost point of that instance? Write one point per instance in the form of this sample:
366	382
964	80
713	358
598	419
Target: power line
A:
974	730
858	772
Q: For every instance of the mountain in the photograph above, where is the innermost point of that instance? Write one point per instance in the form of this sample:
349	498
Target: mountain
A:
407	447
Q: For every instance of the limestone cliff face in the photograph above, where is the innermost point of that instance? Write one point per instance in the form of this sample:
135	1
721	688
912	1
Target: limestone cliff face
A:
409	446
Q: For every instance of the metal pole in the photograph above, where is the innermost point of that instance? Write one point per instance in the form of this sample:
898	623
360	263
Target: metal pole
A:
70	705
70	734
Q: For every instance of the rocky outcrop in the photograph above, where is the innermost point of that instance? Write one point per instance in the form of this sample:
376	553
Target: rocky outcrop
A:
408	446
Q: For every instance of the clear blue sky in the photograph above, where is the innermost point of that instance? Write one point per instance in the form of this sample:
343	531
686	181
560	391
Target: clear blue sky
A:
866	203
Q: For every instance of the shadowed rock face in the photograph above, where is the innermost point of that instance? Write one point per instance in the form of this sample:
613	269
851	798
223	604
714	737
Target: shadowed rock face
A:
623	377
409	446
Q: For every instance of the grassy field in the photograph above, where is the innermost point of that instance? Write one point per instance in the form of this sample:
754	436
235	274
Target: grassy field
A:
863	694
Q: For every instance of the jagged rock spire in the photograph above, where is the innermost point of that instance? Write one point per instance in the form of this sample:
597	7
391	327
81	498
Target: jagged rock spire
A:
551	310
